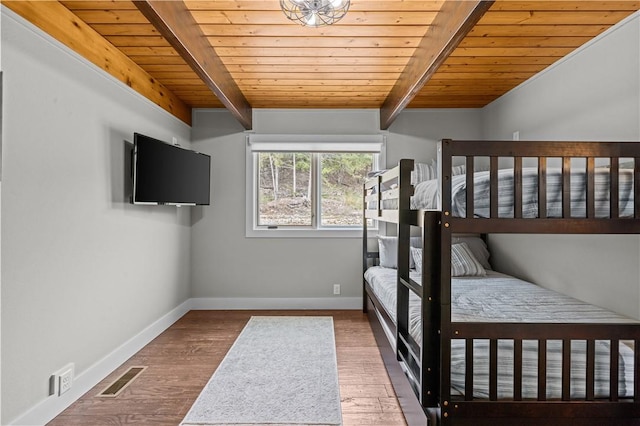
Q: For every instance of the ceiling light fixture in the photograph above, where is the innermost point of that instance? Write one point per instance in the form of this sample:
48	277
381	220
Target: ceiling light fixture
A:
315	13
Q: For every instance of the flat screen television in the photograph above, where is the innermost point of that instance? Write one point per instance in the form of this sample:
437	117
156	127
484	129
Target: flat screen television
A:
168	174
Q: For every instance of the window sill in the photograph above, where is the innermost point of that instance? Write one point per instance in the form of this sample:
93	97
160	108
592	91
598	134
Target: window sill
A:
308	233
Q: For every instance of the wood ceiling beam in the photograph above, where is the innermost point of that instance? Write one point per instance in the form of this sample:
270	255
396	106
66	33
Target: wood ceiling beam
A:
448	29
176	24
59	22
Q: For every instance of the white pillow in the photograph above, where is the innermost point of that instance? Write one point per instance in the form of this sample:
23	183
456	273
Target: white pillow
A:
388	250
463	263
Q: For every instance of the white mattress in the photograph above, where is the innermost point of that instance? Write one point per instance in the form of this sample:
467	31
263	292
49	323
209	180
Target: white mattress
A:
502	298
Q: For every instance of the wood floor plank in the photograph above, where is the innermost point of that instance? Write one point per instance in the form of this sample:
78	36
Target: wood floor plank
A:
361	405
390	405
363	391
381	419
182	359
121	419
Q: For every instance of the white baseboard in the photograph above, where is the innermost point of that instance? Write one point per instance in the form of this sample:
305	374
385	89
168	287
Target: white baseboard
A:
49	408
242	303
54	405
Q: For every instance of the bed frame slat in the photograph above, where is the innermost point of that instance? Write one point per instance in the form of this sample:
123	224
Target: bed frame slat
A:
546	226
591	197
517	369
546	330
614	194
412	285
468	374
493	370
542	187
590	370
542	370
517	187
493	187
613	372
566	187
470	187
566	369
412	350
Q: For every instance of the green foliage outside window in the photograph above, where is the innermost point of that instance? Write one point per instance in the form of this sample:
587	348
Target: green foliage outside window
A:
286	188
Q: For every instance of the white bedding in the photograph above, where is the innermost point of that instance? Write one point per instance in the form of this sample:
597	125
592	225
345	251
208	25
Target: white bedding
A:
502	298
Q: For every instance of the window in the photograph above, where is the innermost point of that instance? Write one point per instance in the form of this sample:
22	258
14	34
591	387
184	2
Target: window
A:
302	186
285	189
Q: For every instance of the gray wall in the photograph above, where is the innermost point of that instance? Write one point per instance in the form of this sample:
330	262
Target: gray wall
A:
593	94
83	271
416	132
225	264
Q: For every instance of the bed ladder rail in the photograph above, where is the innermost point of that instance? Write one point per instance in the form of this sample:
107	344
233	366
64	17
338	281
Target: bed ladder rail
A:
569	365
422	360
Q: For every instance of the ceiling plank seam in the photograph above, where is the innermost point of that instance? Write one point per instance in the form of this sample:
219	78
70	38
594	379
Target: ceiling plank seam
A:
448	29
62	24
176	24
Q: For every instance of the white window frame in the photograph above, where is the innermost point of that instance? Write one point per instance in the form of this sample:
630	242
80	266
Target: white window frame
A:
304	143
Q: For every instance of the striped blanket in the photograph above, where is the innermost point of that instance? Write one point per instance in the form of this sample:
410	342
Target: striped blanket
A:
427	193
502	298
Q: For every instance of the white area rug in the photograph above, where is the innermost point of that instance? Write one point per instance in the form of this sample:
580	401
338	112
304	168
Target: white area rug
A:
280	371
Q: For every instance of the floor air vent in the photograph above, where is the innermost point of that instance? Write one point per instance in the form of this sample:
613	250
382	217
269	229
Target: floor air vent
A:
122	382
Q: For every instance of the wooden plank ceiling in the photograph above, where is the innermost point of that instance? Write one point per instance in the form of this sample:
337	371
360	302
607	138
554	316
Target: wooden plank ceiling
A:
356	62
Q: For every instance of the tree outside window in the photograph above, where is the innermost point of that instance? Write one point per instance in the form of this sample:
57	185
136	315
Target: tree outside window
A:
317	190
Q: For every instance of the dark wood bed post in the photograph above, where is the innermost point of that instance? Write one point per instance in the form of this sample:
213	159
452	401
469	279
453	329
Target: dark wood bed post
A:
404	238
444	176
431	277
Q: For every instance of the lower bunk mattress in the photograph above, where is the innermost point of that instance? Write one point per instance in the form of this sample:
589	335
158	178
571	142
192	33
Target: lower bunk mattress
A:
498	297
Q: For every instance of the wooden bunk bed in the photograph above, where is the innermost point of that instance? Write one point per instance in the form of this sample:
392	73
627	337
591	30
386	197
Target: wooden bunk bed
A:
420	364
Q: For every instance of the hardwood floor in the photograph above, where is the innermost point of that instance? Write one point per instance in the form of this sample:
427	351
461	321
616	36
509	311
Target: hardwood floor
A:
182	359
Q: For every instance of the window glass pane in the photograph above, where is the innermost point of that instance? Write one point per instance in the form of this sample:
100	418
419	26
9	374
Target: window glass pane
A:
284	189
341	192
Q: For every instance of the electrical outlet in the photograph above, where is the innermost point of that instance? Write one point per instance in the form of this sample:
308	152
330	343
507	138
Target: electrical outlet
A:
62	380
336	289
66	380
516	136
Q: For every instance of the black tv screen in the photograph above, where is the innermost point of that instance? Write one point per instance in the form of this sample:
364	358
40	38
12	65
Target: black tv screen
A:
169	174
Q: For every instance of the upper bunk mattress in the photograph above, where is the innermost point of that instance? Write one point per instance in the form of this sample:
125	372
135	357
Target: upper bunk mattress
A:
427	193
